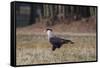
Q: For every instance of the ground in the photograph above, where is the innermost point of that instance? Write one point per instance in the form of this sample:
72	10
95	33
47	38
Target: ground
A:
32	46
33	49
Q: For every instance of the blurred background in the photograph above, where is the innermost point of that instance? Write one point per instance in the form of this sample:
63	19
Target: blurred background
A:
68	18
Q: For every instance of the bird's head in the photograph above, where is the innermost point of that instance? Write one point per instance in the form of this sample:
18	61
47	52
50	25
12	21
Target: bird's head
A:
48	30
49	33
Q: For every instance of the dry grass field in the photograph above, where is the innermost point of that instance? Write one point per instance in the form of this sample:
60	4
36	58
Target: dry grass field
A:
35	49
32	46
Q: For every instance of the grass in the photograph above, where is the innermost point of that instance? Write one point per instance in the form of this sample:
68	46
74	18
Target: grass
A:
35	49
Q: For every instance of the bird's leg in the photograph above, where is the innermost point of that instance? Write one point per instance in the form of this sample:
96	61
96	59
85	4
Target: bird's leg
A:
53	48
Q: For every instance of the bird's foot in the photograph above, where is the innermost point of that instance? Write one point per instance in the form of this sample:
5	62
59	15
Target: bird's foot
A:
53	49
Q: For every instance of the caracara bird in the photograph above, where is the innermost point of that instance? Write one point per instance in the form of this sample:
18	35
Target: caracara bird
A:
55	41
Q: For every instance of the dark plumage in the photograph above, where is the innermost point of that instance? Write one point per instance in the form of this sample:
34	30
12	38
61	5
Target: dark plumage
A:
56	41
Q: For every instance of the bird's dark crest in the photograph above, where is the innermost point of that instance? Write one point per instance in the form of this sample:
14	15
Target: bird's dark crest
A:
49	29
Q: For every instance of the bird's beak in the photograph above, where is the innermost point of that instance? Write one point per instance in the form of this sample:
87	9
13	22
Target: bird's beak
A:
44	31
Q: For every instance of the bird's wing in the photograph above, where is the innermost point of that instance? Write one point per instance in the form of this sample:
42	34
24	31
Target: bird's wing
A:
56	40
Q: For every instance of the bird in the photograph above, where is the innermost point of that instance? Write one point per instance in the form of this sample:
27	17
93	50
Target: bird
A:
55	41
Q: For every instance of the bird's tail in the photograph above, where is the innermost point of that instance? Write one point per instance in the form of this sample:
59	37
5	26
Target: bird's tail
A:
68	41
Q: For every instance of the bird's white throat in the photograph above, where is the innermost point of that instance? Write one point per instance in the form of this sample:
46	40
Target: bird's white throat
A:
50	34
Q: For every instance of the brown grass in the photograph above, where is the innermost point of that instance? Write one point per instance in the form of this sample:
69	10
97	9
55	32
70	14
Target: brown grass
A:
33	49
86	25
